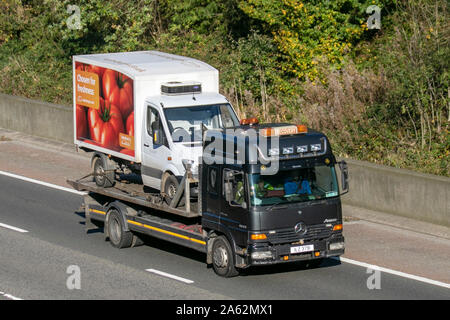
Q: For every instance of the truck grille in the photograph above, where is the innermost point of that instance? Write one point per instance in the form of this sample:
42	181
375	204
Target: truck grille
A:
314	232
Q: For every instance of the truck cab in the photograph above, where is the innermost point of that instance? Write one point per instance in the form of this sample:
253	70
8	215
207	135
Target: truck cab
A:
274	216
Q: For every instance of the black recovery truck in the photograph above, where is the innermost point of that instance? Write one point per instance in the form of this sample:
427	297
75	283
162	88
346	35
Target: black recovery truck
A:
266	194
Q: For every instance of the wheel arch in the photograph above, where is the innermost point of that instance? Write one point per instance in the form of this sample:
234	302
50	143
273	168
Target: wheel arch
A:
212	236
122	209
170	170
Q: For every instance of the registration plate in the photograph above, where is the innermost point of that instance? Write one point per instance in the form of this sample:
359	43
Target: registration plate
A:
301	249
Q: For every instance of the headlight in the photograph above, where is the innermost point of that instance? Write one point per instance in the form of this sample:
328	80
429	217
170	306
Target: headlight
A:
288	150
262	255
274	152
337	246
316	147
301	149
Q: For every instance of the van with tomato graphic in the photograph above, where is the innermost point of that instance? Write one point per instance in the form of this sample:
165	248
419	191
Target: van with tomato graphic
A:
144	112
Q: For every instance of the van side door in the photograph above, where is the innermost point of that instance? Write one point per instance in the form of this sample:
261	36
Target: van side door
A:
155	148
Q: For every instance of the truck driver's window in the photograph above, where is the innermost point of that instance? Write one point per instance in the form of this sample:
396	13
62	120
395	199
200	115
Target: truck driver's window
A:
238	189
235	186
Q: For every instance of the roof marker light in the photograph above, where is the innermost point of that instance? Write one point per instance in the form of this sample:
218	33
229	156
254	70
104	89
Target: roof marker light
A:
249	121
301	128
283	130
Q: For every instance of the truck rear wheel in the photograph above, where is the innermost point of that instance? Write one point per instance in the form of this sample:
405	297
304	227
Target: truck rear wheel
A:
223	258
103	173
118	237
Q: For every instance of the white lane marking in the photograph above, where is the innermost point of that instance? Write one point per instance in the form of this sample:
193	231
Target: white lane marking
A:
50	185
9	296
171	276
394	272
12	228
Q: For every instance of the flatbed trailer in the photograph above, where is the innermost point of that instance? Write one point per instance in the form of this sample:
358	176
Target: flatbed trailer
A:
137	212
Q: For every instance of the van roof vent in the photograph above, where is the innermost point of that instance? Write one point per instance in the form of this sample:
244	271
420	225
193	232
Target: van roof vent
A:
175	88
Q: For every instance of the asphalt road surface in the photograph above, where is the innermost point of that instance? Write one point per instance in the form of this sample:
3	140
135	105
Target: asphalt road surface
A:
46	254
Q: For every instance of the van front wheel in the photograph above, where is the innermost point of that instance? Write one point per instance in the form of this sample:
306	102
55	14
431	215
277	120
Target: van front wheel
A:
171	186
103	174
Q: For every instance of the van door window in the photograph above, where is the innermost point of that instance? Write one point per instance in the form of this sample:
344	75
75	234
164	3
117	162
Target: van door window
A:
227	119
154	123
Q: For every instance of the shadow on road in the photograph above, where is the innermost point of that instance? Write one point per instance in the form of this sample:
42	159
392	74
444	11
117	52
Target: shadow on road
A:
290	267
179	250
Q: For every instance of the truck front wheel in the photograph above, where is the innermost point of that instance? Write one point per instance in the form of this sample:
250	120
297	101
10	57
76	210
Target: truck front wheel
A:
223	259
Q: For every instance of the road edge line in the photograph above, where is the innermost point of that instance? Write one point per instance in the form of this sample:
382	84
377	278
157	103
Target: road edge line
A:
7	226
394	272
46	184
171	276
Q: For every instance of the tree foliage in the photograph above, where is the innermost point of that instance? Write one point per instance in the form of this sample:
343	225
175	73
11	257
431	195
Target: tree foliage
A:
380	95
310	31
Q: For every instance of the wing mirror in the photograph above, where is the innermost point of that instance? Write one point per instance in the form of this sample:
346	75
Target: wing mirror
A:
344	176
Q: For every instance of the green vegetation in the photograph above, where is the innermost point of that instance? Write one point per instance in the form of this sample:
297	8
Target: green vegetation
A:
380	95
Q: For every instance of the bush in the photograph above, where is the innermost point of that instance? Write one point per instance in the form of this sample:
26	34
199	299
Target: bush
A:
307	32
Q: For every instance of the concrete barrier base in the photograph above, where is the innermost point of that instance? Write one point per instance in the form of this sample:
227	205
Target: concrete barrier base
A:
36	118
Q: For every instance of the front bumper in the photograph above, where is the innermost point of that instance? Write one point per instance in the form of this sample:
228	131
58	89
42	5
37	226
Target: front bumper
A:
281	253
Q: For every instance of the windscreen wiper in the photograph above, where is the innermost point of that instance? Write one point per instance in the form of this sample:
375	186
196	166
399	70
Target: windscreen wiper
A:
274	204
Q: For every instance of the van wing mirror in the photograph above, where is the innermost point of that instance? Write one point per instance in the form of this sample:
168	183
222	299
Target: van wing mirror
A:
344	176
157	136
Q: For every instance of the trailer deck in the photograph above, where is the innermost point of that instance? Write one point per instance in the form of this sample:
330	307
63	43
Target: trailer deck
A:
134	193
145	214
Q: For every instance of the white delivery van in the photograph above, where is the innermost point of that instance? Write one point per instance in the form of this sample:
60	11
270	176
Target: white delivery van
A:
144	111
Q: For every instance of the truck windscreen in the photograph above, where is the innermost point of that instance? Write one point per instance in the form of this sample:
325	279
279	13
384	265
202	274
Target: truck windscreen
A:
185	123
298	185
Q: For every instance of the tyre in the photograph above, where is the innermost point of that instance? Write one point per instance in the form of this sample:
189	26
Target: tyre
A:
223	258
171	185
115	228
103	174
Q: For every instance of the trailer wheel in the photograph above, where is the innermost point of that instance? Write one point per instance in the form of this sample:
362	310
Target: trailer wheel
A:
115	228
103	174
223	258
